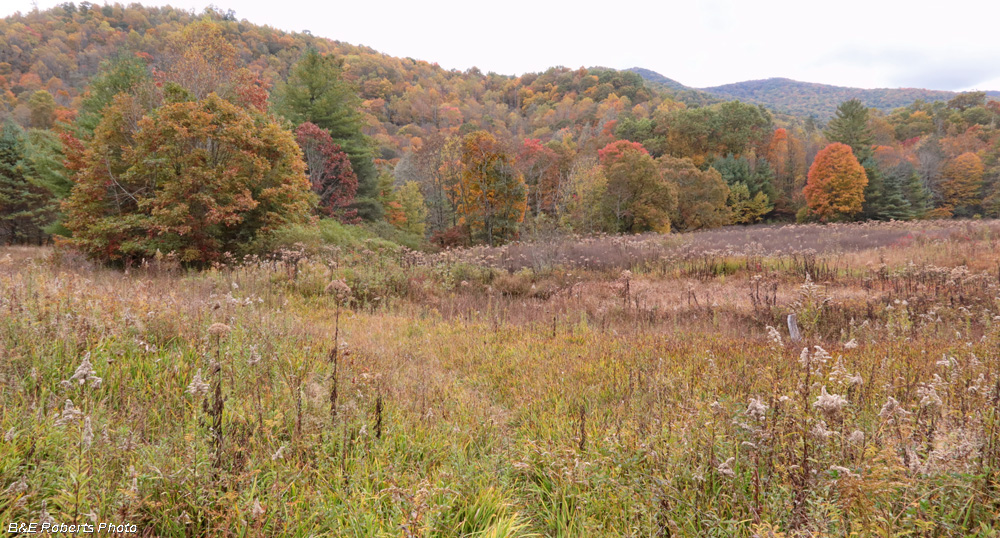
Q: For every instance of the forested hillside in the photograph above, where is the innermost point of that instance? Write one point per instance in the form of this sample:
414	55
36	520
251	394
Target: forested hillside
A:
821	100
90	96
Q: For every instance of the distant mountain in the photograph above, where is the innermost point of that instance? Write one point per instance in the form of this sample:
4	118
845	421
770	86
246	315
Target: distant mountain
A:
803	98
676	90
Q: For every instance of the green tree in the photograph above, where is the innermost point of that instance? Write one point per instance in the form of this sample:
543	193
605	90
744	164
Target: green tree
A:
746	208
25	206
636	195
701	195
316	92
893	202
850	126
586	209
123	73
411	200
43	109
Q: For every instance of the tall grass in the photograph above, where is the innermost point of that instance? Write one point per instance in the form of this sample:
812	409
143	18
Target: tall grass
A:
368	390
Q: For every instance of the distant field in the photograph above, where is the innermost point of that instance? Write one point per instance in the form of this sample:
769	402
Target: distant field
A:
609	386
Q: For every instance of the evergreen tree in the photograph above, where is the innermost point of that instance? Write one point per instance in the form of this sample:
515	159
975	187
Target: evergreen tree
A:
895	204
850	126
25	207
875	204
316	92
917	194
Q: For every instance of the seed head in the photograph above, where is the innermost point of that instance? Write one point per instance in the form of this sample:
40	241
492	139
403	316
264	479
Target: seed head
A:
725	468
219	330
86	372
830	405
87	438
197	387
757	409
69	414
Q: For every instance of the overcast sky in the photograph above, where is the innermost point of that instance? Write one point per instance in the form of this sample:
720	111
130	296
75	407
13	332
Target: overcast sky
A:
864	43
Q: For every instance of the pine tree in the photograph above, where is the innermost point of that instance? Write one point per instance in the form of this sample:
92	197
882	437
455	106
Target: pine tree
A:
895	205
874	207
25	207
316	92
850	126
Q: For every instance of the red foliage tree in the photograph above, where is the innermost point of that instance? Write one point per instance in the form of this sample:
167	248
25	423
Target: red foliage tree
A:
614	151
330	172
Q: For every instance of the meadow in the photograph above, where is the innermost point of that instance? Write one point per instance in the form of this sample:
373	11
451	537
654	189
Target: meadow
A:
600	386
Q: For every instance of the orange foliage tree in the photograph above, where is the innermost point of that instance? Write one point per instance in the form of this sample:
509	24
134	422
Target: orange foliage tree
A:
491	194
962	180
203	179
836	186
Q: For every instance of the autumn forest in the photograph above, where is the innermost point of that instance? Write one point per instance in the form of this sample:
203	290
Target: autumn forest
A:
257	283
454	157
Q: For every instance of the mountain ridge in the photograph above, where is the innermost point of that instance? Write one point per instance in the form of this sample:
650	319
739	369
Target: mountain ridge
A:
800	98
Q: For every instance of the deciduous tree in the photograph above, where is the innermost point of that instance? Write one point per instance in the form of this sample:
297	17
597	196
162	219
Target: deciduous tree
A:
491	196
330	173
701	195
962	180
204	179
836	185
637	195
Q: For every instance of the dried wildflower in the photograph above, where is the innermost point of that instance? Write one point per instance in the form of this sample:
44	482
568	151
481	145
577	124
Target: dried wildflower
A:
280	454
929	397
254	357
256	510
851	344
757	409
857	437
844	471
830	405
87	437
197	387
774	336
839	374
339	288
16	488
69	414
725	468
820	431
892	409
219	330
44	519
9	436
86	372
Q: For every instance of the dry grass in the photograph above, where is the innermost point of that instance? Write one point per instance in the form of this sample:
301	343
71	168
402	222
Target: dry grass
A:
532	390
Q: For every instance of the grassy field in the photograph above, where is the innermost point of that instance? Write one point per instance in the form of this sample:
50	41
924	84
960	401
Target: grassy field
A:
639	386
